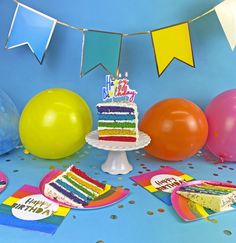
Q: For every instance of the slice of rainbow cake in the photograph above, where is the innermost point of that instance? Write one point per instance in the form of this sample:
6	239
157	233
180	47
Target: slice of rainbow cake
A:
74	188
117	121
216	198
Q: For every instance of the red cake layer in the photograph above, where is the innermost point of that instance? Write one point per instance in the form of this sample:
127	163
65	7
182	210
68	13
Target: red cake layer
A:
84	176
118	138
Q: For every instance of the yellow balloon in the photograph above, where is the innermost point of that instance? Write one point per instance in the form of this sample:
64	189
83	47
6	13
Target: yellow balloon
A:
54	123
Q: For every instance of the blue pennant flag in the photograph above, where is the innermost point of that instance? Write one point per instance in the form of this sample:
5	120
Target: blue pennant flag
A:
32	28
101	48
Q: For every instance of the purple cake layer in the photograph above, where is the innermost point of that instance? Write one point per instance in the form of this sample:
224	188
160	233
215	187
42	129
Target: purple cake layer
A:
68	194
102	109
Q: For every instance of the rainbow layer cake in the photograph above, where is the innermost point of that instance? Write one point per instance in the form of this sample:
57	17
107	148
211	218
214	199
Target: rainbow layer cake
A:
117	121
74	188
216	198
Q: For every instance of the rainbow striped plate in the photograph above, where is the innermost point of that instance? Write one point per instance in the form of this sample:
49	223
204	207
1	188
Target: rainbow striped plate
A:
113	195
189	210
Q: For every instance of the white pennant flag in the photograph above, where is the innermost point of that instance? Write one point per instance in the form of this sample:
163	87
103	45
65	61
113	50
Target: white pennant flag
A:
226	12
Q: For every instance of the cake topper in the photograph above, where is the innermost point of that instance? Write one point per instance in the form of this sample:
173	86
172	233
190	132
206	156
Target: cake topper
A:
115	88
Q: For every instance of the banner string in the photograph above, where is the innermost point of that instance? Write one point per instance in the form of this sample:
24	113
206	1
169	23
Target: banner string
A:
123	34
70	26
202	15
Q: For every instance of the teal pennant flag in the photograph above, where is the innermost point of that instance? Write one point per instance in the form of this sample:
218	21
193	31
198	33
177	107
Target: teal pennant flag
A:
101	48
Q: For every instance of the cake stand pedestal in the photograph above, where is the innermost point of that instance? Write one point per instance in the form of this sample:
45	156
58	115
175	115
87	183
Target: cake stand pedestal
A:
117	162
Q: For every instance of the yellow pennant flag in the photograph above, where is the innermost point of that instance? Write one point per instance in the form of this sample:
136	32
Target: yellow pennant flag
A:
172	42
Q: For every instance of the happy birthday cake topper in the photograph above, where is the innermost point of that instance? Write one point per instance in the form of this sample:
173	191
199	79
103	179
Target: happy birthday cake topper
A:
116	88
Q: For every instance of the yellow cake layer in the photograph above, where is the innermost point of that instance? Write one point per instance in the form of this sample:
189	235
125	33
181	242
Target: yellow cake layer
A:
108	132
85	183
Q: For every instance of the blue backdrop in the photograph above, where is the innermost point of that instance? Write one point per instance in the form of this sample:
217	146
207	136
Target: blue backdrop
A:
22	76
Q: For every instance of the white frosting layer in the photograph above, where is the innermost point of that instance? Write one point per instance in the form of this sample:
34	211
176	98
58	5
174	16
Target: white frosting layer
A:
118	121
116	128
120	104
52	193
117	113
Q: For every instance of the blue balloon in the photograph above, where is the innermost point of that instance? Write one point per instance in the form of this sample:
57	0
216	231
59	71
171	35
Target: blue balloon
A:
9	119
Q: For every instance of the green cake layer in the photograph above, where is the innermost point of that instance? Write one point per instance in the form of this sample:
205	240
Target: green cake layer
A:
117	124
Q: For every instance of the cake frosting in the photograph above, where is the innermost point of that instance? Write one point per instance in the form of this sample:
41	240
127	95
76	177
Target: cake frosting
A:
216	198
74	188
117	121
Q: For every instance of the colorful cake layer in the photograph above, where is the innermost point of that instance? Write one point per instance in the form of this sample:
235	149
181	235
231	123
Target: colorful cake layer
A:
119	138
117	121
74	187
210	196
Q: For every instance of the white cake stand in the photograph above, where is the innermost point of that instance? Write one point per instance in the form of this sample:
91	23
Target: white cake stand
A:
117	162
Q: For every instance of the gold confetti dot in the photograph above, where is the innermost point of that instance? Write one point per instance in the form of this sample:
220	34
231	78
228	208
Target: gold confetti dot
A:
26	151
52	167
227	232
120	206
119	178
113	216
131	202
214	221
100	241
150	213
161	210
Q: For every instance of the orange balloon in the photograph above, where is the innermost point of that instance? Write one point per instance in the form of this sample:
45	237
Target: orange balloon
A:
178	129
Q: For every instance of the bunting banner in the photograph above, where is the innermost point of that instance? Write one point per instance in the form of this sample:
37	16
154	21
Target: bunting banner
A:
226	13
32	28
172	42
101	49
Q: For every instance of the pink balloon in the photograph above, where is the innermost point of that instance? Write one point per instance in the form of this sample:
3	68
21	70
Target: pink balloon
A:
221	116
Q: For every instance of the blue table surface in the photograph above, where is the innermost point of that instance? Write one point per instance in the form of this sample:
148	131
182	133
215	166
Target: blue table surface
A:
130	223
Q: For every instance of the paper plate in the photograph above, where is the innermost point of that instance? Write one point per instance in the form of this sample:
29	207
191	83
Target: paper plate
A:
189	210
3	181
112	196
